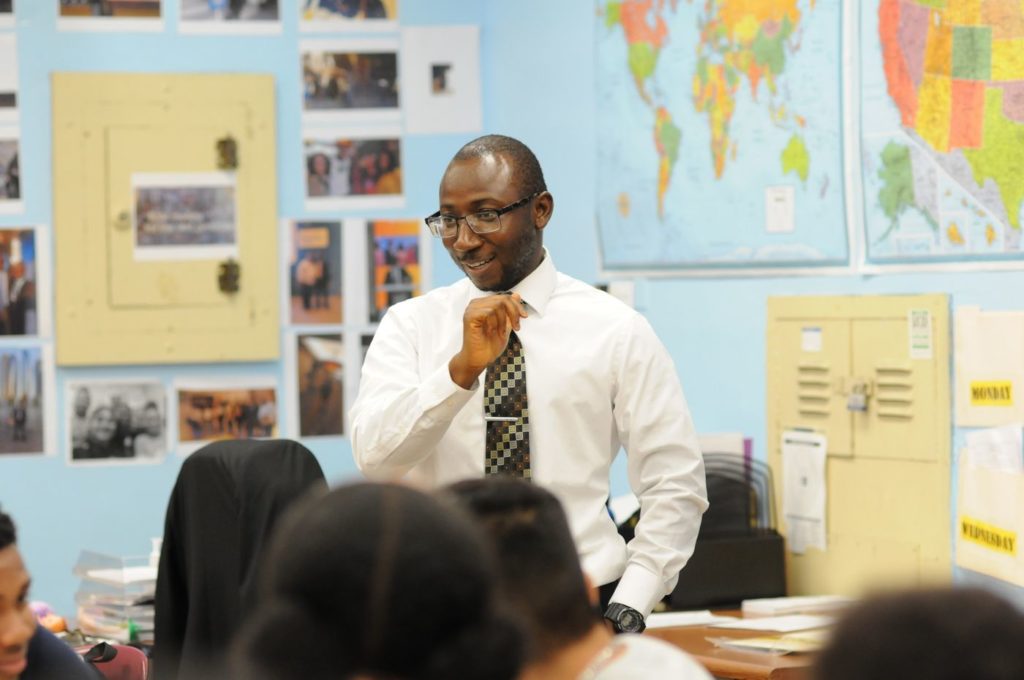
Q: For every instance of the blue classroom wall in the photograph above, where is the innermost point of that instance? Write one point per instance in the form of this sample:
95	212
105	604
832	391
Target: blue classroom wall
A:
538	84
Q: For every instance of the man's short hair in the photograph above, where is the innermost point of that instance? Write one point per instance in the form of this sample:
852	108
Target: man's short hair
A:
526	172
8	536
538	568
944	634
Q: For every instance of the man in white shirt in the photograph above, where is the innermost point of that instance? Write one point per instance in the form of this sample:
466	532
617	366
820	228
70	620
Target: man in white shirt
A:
597	378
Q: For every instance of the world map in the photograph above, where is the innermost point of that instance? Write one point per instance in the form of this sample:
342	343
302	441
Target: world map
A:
719	133
942	114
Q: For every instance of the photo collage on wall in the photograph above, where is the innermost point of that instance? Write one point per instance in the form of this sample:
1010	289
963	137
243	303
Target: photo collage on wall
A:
351	255
352	151
340	278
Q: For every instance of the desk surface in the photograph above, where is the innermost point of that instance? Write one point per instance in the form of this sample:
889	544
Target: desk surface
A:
732	663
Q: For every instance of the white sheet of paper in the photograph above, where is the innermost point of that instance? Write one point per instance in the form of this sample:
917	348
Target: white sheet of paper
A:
678	619
781	624
998	448
803	489
779	210
987	347
440	67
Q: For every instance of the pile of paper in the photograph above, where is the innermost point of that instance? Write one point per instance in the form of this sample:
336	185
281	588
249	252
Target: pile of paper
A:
115	598
804	604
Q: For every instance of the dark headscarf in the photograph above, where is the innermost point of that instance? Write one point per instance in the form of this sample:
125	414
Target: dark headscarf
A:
223	507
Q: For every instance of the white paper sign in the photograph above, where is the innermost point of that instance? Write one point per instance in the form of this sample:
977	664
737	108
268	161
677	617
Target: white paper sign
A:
810	339
919	322
803	489
997	448
779	211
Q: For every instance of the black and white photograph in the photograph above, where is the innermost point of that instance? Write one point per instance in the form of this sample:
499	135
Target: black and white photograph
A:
319	375
109	15
353	172
22	405
314	273
188	216
8	78
18	281
230	16
215	409
349	80
10	174
117	421
348	15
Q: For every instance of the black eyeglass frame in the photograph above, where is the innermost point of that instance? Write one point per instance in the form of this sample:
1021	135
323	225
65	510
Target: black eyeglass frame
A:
498	212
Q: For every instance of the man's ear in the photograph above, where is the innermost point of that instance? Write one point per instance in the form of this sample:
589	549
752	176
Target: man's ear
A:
543	206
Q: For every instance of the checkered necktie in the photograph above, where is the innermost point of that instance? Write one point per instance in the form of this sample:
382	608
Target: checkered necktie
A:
508	419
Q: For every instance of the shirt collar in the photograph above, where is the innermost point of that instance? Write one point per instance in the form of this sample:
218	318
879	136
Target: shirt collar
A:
537	287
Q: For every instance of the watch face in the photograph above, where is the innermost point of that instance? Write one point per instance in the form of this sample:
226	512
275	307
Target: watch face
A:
629	621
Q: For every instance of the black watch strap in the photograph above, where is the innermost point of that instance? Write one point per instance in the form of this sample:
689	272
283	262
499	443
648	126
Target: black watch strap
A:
624	618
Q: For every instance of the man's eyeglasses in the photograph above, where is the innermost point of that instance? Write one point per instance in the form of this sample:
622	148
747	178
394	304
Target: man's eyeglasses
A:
481	222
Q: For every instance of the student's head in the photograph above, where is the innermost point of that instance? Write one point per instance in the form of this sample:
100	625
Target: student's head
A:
491	173
17	623
538	567
947	634
102	425
378	581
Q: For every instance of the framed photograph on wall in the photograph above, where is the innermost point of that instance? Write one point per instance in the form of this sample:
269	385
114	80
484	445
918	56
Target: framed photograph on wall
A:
185	216
348	16
10	171
393	263
19	282
8	77
353	170
116	421
211	409
254	17
316	366
110	15
26	400
349	80
313	268
441	79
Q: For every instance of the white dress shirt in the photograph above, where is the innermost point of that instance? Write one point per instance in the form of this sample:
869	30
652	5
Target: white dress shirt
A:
597	379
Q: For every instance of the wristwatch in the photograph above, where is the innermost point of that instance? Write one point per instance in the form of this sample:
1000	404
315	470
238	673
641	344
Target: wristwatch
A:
625	619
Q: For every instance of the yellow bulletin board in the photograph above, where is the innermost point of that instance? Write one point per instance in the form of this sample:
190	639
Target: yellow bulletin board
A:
164	189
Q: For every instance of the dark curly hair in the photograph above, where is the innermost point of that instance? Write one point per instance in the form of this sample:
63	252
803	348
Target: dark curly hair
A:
382	581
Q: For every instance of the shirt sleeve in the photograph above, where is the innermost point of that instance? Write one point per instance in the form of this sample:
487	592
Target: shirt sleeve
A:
664	465
399	416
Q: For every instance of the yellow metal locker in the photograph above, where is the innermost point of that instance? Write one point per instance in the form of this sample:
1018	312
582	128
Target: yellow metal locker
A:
876	383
